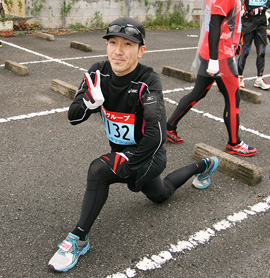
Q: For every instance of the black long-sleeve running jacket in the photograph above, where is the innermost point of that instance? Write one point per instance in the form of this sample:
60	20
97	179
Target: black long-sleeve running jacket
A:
140	94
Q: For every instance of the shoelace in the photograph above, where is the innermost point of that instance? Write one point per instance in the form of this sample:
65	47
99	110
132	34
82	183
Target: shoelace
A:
205	174
244	145
261	81
71	250
264	81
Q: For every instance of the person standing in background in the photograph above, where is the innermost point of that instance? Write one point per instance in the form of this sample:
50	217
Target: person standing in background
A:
254	28
219	40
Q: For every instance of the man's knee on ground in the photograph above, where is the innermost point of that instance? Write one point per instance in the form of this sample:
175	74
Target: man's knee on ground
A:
169	189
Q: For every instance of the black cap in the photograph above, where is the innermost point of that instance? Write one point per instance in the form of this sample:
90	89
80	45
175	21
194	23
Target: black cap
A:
127	21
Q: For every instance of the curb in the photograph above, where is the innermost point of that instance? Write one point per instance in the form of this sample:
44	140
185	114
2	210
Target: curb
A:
237	168
81	46
250	96
44	36
16	68
180	74
64	88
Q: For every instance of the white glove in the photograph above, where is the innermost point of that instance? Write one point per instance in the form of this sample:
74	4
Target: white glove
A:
93	98
213	67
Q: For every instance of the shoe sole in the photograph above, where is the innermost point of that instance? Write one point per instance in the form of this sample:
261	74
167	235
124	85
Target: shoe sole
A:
172	141
258	86
242	154
74	263
210	173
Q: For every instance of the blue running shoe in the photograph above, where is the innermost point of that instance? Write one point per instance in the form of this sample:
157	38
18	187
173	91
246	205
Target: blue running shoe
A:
69	252
203	180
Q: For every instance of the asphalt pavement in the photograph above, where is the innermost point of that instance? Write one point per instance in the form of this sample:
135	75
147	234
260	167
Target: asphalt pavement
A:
219	232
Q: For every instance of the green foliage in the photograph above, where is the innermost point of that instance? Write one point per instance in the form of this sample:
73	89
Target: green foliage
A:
20	5
164	19
67	7
9	5
37	6
166	16
2	17
77	26
96	21
34	8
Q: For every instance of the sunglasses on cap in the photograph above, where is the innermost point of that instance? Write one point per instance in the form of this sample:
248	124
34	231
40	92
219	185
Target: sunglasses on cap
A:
128	29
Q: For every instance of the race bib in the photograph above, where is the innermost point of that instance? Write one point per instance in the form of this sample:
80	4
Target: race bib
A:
257	2
119	127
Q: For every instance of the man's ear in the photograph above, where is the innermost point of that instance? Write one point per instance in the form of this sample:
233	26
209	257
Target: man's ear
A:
141	51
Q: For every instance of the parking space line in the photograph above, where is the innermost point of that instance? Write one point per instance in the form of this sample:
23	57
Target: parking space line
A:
210	116
28	50
202	237
149	263
61	60
33	115
44	56
204	114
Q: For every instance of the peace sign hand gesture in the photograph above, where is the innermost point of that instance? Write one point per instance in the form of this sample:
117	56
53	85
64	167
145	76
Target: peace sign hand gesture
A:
93	97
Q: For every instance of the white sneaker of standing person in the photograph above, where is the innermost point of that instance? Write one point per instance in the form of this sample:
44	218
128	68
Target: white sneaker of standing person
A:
241	81
260	83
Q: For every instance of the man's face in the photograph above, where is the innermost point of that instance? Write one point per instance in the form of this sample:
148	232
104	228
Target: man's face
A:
123	55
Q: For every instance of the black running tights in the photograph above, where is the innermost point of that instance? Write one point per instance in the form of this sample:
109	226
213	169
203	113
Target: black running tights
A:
100	177
228	86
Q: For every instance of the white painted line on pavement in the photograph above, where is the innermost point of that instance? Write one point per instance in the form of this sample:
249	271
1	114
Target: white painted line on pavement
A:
208	115
255	77
171	49
59	110
28	50
33	115
61	60
43	56
202	237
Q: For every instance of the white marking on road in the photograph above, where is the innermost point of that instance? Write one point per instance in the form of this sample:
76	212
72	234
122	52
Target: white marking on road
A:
237	217
255	77
43	56
61	60
210	116
171	49
59	110
33	115
200	238
222	225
